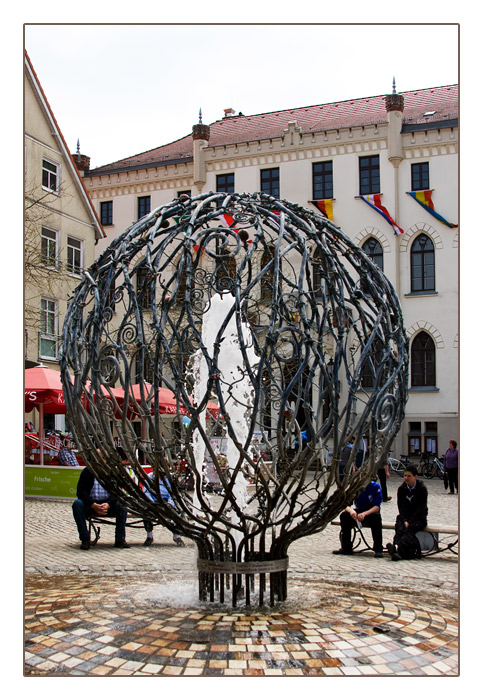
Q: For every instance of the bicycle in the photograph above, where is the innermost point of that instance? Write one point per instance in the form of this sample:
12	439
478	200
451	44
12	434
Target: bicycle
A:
399	466
434	468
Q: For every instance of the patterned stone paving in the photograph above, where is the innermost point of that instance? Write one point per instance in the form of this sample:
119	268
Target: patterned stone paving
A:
97	627
111	612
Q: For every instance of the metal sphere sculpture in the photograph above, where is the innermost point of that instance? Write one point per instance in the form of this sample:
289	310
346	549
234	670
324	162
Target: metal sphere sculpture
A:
242	351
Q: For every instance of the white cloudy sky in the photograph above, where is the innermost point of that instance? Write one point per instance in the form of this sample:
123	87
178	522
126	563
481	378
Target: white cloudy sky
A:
124	89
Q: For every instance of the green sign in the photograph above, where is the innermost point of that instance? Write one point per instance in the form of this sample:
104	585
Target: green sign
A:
51	482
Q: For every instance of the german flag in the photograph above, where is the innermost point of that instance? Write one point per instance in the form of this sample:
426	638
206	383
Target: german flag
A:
324	206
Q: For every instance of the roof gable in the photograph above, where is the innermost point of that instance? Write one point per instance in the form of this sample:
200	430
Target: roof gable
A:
61	144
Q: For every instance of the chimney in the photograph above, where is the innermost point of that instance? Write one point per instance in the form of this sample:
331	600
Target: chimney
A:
229	112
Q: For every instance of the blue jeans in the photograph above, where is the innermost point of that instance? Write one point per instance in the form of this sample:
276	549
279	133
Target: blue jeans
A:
81	512
347	523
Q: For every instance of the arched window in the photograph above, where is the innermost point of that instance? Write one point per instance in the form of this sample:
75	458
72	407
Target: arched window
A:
226	268
179	286
373	249
423	361
422	265
143	287
266	284
371	365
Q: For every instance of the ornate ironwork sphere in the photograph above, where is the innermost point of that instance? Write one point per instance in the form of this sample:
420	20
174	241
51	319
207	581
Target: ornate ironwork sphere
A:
246	355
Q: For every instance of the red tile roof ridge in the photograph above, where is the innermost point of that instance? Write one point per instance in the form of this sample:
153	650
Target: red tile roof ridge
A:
141	153
334	102
242	128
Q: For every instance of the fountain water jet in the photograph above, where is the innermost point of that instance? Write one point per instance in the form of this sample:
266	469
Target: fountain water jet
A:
269	311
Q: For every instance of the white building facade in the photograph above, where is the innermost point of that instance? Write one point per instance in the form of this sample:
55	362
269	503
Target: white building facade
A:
396	151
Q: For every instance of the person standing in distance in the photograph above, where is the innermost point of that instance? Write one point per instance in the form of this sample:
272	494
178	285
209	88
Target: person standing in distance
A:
450	465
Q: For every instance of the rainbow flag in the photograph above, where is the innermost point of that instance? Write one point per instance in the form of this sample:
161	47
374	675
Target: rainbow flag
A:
423	197
324	206
374	201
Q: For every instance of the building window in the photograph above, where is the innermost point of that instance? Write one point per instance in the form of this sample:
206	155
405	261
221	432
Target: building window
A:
106	213
420	176
49	244
225	183
111	295
423	361
75	250
143	287
414	438
187	192
422	265
322	180
48	342
431	438
144	206
369	175
373	249
270	181
371	365
180	282
50	176
267	281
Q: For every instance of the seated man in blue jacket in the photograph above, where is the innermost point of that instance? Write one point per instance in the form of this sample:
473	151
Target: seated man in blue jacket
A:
366	511
92	499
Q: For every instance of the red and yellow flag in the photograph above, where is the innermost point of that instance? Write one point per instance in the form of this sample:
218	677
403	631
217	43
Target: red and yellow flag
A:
424	198
325	207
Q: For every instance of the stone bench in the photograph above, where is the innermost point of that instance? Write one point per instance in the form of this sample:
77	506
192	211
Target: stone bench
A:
429	538
132	521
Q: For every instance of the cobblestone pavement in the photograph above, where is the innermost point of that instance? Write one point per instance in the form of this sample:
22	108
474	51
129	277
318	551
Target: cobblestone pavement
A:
109	611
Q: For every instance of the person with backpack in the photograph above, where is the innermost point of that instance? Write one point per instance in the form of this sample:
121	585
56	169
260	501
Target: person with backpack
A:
412	503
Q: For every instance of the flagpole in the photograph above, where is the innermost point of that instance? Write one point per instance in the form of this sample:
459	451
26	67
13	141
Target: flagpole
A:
41	433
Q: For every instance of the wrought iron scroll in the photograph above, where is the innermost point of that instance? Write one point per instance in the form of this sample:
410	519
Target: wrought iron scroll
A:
321	346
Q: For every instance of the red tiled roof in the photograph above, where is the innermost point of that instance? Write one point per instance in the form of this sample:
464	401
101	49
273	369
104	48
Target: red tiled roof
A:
441	102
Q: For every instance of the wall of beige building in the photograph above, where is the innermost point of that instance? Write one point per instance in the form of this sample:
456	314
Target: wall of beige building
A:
63	212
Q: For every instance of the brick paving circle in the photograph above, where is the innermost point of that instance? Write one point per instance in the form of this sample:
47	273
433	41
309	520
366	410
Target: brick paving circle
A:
96	627
110	612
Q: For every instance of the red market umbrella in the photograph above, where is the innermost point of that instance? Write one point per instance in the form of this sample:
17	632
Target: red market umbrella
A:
43	391
166	399
43	387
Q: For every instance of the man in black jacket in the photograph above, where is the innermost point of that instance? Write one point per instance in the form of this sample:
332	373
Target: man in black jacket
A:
93	499
412	503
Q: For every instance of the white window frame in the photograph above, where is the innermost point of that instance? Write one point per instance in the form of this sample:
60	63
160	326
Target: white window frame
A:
53	238
49	333
70	267
48	188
